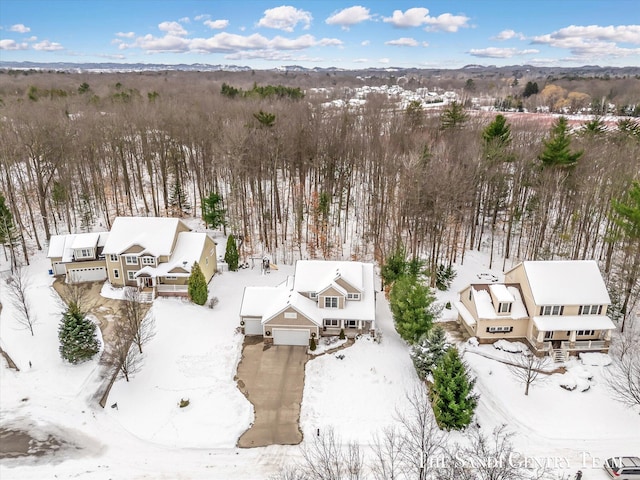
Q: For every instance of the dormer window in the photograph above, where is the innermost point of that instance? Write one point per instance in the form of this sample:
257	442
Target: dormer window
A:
148	261
504	307
84	252
313	295
353	296
330	302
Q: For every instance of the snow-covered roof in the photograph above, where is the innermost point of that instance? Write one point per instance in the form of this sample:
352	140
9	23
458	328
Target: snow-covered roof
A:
62	246
554	323
501	293
154	234
256	299
486	309
315	275
566	282
465	313
299	302
187	251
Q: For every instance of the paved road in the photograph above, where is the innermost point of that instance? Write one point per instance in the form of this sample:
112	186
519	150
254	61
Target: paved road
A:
273	380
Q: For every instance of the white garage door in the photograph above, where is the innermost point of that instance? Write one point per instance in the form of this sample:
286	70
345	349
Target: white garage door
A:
59	268
93	274
252	326
283	336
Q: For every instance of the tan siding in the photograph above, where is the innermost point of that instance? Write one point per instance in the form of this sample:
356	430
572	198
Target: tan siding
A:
300	321
208	253
520	328
133	249
347	286
85	264
331	292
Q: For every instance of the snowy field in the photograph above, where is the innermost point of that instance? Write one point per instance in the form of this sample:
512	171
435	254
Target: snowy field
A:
194	355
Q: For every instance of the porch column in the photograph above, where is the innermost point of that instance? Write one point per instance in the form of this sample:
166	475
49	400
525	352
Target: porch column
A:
572	338
341	323
359	325
540	337
607	335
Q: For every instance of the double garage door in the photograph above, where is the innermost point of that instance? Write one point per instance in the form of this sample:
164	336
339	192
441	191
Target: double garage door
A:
286	336
93	274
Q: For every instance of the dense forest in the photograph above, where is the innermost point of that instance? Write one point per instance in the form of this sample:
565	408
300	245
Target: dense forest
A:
302	178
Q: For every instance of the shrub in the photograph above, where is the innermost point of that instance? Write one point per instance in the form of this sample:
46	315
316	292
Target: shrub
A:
341	336
444	277
312	344
183	403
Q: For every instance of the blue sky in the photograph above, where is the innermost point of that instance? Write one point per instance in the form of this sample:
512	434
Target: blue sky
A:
323	33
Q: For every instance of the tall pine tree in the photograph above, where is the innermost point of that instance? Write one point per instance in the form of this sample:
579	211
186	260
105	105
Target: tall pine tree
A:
197	285
452	395
77	335
231	254
557	148
412	307
212	211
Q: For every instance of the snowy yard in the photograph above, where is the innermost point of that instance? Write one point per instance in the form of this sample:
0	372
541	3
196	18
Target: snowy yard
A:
194	355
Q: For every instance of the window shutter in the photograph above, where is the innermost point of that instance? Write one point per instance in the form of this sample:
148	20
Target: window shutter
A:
600	310
562	310
488	330
511	329
541	310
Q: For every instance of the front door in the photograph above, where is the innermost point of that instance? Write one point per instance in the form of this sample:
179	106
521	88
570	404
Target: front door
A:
147	282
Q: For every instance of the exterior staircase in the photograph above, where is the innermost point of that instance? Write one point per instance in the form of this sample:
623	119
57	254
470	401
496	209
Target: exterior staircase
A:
147	296
559	355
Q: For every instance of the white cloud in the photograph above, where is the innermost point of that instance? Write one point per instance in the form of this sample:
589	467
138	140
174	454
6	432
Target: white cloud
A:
360	60
47	46
384	60
204	16
112	56
349	16
364	43
7	44
495	52
184	20
272	55
125	34
447	23
587	42
508	35
403	42
217	24
172	28
285	18
20	28
413	17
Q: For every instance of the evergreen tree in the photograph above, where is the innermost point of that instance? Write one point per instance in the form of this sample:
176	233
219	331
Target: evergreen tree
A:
178	199
557	151
412	307
77	335
395	266
231	254
453	117
8	232
531	88
212	211
429	351
197	285
452	395
497	134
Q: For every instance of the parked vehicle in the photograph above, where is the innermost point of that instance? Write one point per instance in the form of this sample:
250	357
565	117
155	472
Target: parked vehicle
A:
623	468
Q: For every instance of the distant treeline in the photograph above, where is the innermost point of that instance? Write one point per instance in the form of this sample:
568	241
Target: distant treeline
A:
279	91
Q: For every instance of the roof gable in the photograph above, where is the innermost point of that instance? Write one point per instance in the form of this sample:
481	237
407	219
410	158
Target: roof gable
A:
156	235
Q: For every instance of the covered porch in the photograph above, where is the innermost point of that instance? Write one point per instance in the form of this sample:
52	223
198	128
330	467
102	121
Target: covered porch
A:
562	336
333	326
174	285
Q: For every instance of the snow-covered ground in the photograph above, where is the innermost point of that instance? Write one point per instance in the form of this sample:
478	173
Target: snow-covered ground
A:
194	355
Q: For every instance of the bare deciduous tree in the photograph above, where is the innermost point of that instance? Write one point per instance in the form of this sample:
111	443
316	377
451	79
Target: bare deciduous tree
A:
17	286
624	375
423	440
136	318
528	369
389	460
121	354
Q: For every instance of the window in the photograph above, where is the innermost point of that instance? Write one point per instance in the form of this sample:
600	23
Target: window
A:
170	278
499	329
332	322
548	335
330	302
290	315
206	261
131	275
350	323
470	294
113	258
313	295
504	307
148	260
116	273
353	296
590	310
551	310
585	332
85	252
130	260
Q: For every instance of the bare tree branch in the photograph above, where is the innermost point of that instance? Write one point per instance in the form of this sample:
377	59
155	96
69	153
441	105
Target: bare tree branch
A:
17	286
528	369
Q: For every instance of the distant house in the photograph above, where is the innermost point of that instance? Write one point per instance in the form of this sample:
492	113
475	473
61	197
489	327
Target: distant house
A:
153	253
156	254
78	256
557	307
322	298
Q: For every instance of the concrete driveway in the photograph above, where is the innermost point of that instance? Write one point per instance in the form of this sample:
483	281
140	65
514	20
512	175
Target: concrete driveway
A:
272	379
